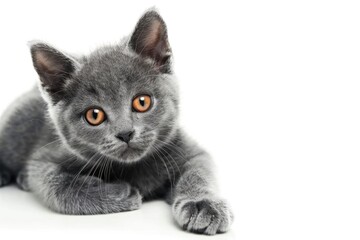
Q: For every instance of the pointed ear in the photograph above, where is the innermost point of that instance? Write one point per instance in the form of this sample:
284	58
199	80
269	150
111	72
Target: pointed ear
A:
52	66
150	40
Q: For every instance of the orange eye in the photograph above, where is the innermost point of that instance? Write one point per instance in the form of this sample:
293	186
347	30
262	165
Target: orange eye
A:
141	103
95	116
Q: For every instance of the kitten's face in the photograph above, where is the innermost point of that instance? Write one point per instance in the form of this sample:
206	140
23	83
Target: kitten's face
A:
113	90
119	102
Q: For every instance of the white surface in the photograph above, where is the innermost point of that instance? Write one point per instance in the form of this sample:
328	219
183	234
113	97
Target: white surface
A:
27	216
271	88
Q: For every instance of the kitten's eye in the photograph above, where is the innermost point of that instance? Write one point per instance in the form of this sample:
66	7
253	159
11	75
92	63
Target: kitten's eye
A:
95	116
141	103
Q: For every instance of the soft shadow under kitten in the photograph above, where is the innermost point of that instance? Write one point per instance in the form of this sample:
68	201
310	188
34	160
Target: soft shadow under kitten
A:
100	134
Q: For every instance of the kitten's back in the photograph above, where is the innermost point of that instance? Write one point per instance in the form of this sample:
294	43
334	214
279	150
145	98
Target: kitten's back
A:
22	126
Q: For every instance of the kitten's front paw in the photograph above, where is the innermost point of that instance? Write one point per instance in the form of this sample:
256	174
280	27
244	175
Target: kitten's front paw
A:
207	216
5	178
124	196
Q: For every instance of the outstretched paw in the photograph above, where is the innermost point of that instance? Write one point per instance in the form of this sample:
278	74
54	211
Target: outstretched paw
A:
5	178
207	216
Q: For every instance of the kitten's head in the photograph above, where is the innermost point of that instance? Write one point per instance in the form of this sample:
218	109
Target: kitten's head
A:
120	102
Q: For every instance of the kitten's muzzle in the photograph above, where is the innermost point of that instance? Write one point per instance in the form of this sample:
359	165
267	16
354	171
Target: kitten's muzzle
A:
126	136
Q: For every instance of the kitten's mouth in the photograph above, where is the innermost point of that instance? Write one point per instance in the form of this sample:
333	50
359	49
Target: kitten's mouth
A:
131	152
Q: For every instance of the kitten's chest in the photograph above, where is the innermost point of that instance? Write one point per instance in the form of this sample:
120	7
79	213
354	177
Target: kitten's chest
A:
153	178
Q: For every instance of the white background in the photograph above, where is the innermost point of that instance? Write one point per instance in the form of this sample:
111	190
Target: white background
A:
270	88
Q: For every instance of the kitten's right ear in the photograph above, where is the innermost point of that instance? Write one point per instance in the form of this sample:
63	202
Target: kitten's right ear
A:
52	66
150	40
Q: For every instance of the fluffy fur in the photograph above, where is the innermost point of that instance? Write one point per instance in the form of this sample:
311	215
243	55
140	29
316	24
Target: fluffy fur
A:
48	148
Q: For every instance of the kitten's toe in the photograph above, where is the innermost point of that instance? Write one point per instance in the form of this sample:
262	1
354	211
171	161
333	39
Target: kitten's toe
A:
133	201
21	181
127	198
5	178
205	216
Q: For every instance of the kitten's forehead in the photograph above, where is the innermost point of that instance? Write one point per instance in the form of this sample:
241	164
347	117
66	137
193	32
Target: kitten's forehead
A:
114	68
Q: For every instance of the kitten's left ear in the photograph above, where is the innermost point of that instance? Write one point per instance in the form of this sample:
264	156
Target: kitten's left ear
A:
150	40
53	67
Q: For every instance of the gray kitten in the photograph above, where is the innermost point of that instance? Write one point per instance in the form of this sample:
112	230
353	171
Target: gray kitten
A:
101	134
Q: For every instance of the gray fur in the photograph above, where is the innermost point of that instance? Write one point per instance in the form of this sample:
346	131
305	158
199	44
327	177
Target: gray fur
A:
48	148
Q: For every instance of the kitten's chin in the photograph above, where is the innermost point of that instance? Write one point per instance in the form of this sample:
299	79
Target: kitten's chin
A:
130	154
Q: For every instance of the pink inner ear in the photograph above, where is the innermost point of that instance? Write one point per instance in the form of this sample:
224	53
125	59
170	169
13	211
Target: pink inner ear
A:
149	40
153	37
44	63
154	43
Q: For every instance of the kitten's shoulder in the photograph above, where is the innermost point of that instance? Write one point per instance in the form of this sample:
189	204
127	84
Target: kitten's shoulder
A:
28	105
188	144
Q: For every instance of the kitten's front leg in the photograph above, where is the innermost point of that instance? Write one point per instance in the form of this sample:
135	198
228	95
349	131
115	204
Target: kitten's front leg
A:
71	194
196	207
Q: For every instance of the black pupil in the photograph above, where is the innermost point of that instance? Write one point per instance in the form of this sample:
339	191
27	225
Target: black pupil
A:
142	101
95	113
